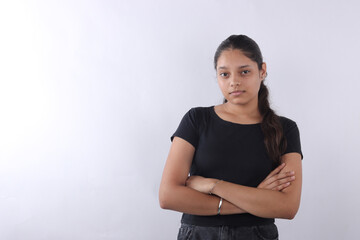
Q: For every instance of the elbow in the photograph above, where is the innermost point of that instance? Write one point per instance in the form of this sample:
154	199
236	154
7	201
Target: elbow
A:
290	208
290	213
164	200
169	196
163	204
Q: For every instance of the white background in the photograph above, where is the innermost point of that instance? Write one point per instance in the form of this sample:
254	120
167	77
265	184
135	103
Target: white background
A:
91	91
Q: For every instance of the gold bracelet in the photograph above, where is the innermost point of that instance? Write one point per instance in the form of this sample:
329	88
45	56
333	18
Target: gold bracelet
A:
210	192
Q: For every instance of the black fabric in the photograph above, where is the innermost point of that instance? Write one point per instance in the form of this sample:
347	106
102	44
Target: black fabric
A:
232	152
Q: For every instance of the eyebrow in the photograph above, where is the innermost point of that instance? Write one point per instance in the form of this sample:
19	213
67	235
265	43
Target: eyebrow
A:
240	67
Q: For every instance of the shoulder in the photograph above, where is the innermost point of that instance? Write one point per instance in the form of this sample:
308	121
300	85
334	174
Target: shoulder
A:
199	112
199	115
287	123
292	135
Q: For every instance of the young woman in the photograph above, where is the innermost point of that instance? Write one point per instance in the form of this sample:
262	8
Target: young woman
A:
234	167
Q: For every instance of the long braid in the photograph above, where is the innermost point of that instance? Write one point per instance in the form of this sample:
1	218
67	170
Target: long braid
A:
274	139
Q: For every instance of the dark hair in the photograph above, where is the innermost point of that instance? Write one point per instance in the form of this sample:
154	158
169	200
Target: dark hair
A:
274	139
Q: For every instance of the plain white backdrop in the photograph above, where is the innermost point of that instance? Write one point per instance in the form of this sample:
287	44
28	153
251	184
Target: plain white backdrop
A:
91	91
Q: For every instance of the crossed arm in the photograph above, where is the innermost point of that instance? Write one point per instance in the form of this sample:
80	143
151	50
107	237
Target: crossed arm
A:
275	197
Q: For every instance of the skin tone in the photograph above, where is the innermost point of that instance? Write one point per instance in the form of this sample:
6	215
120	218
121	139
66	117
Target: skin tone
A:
239	79
278	196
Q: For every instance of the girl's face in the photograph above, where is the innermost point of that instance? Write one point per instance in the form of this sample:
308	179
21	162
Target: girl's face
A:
239	77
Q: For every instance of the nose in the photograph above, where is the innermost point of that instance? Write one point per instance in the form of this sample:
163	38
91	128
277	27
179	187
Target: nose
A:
235	82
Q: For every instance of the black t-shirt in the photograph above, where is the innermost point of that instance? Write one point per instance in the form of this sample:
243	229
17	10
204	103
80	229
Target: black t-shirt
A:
232	152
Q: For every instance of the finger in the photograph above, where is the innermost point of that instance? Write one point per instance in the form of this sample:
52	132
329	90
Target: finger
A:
279	177
275	171
281	187
280	182
274	180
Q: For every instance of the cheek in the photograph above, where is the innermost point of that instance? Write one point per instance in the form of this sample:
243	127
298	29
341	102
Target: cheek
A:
222	82
255	85
222	85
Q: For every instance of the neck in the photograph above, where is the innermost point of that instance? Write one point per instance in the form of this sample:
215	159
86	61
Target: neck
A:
249	112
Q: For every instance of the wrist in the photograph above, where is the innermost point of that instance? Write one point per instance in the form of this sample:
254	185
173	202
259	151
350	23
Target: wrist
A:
215	182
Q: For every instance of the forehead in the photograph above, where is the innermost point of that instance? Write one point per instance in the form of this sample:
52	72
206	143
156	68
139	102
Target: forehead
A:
233	58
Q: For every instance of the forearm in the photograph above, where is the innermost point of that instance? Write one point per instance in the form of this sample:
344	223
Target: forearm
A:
187	200
260	202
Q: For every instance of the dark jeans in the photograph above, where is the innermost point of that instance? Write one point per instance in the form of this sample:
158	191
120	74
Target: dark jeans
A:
263	232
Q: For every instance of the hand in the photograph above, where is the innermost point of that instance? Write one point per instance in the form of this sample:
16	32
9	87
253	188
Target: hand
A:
276	180
200	184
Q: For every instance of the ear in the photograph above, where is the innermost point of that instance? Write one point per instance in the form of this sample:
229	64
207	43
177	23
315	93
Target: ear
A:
263	72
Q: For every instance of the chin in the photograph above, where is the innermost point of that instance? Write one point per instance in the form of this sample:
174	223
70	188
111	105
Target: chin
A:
238	102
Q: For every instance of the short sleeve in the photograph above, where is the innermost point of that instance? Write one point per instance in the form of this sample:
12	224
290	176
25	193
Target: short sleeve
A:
292	135
188	129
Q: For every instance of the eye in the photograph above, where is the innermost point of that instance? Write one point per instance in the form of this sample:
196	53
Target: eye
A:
224	74
245	72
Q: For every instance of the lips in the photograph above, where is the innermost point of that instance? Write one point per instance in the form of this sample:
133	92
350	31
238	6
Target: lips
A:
237	92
